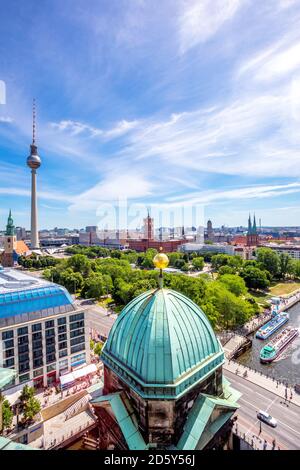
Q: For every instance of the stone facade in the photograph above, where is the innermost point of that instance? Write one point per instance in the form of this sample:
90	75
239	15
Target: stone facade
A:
160	421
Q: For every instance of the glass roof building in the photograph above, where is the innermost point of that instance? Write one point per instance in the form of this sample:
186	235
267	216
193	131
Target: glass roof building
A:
23	294
42	330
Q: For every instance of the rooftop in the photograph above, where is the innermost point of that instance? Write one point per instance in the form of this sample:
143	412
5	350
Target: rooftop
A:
22	293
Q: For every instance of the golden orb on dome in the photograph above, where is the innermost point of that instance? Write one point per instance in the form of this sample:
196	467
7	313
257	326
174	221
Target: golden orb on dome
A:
160	261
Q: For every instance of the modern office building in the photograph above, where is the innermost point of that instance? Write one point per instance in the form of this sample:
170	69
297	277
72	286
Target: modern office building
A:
292	250
43	334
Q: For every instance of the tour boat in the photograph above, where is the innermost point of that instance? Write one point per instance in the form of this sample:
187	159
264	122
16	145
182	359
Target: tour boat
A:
275	347
273	325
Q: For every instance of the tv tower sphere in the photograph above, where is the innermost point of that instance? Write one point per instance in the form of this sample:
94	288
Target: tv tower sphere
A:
33	161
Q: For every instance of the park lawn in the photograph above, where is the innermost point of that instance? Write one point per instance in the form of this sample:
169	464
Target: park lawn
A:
283	288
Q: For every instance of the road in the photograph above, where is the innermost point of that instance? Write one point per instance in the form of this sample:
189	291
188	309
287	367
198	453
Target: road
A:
254	398
99	320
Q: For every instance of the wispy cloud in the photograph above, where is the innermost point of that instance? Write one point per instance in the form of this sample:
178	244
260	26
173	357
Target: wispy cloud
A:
200	20
250	192
113	188
279	61
6	119
75	127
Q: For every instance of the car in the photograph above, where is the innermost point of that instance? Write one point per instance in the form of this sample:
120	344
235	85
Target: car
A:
267	418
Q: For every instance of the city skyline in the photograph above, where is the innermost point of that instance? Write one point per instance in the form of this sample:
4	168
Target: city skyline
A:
155	108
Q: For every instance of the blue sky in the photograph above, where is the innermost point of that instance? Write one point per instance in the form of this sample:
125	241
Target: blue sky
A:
166	104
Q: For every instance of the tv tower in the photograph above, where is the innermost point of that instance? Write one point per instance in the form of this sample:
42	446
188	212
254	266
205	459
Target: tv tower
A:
34	162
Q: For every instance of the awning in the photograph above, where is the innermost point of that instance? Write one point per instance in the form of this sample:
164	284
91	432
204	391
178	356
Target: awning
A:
77	374
90	369
66	379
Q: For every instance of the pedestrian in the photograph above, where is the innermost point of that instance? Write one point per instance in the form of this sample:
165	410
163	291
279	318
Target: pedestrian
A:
265	444
259	428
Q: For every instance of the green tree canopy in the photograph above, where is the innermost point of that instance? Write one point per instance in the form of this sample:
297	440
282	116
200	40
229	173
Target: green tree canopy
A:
31	408
96	285
71	280
7	414
286	265
198	263
234	284
255	278
98	348
269	259
27	392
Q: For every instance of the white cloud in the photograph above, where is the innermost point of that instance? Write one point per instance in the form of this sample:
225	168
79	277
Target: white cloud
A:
113	188
276	62
53	195
249	192
199	20
6	119
75	127
253	136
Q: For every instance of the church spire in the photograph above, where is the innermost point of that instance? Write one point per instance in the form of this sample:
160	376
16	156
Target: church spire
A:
254	225
249	225
10	228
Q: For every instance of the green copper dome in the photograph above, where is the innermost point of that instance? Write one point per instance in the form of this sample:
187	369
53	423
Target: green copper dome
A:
162	343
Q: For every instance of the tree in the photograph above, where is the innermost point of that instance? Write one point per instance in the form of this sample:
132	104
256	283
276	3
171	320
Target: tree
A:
122	291
269	260
219	260
296	268
94	287
234	284
98	348
7	414
255	278
179	263
79	263
198	263
31	408
185	267
226	270
26	394
192	287
173	257
71	280
148	259
226	308
286	265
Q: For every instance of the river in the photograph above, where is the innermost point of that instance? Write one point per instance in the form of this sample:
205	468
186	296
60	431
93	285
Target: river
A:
287	367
